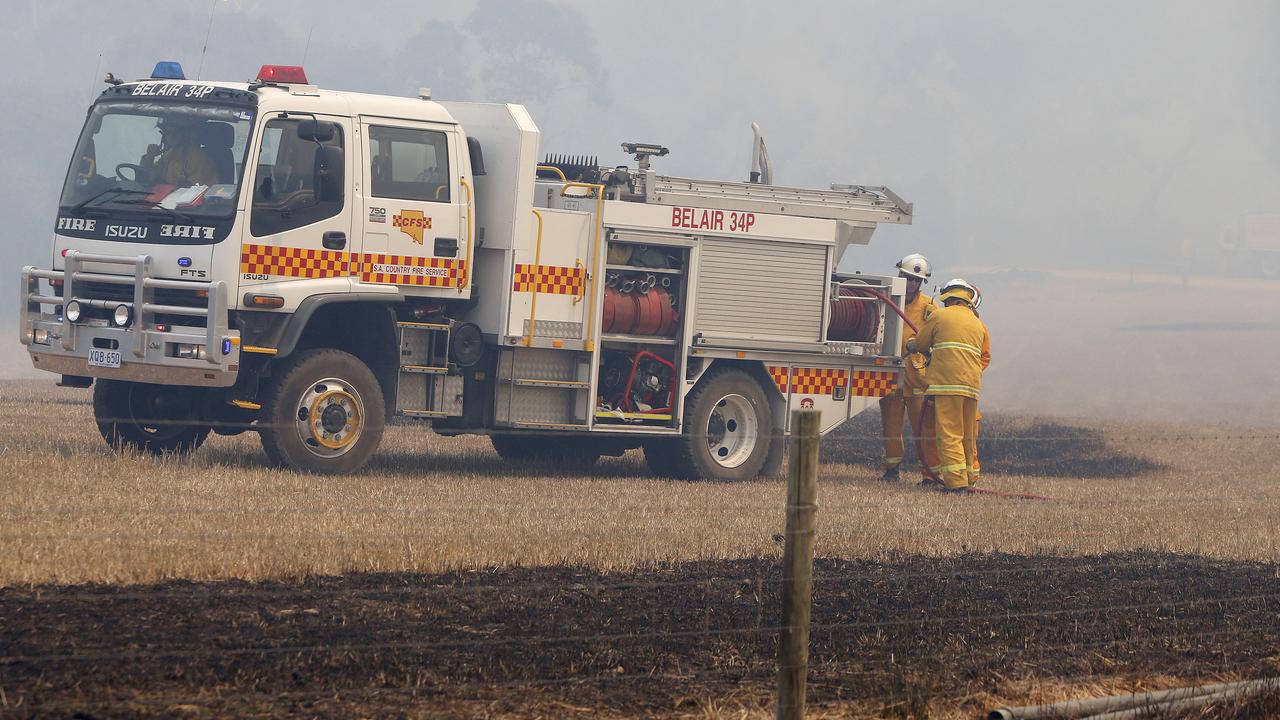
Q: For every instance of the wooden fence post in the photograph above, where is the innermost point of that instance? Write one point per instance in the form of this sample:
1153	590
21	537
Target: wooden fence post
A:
797	563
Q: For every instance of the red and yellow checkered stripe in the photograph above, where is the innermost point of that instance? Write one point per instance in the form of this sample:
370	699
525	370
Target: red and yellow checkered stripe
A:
808	381
817	381
369	267
292	262
781	376
553	279
873	383
431	272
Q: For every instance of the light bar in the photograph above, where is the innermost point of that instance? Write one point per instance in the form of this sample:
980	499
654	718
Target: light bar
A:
282	74
168	70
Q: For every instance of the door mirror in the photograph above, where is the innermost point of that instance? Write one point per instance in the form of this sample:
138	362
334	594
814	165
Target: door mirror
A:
329	174
316	130
477	157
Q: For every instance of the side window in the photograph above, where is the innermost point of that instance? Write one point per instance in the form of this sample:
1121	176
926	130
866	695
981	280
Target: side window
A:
285	190
408	164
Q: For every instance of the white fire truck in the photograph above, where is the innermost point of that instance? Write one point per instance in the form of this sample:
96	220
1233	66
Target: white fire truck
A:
307	264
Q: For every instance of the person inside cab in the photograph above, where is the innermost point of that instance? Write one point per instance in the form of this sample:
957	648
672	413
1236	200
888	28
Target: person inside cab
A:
178	160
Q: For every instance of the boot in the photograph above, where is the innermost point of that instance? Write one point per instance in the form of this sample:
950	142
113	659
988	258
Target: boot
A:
891	475
932	484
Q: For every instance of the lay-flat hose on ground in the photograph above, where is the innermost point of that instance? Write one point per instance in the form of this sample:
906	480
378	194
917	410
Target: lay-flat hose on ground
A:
1136	705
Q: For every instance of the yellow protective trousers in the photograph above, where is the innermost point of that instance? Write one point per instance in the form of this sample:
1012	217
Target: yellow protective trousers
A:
892	409
956	425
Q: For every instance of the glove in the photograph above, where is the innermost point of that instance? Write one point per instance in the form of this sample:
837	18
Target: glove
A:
911	346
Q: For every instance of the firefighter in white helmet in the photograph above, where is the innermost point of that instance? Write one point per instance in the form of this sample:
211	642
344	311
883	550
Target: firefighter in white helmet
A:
959	348
907	399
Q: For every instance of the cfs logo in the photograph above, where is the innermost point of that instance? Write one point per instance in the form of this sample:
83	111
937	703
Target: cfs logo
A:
806	403
412	223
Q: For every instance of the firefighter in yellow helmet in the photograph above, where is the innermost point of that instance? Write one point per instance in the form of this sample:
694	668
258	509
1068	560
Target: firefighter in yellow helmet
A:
907	398
959	346
985	359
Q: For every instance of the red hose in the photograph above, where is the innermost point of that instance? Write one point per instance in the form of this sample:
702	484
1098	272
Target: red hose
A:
887	301
1014	495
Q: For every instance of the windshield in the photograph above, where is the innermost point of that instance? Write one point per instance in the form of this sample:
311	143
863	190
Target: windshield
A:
153	157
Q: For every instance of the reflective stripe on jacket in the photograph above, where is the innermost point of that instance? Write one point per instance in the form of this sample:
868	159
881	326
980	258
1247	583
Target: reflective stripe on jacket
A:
960	347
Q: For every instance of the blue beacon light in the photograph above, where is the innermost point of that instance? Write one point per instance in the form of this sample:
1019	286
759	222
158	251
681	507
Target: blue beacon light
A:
168	70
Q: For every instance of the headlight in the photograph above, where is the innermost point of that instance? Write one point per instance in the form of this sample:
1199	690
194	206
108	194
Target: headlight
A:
72	311
122	316
40	337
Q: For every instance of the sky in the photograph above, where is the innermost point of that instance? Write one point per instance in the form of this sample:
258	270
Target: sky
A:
1048	136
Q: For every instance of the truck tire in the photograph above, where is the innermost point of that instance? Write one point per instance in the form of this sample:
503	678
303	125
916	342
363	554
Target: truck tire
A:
322	412
578	453
727	429
154	419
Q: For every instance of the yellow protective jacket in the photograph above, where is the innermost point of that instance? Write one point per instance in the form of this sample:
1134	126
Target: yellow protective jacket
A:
960	348
185	165
912	378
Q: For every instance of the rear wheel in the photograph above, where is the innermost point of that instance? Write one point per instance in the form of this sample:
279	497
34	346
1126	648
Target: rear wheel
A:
156	419
323	413
727	429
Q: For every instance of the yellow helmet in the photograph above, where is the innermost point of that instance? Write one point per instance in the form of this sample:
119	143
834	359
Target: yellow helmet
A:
959	289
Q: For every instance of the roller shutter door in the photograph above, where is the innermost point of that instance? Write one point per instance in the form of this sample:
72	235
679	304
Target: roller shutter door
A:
760	290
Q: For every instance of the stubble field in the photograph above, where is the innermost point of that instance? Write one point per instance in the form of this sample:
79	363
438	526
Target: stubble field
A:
443	583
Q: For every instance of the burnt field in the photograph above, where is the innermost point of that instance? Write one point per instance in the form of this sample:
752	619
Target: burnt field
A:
904	637
442	583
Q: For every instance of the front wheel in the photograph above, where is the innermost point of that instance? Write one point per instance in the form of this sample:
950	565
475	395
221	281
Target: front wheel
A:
323	413
728	429
156	419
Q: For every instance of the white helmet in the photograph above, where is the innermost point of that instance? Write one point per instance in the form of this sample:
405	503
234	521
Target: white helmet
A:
915	266
958	288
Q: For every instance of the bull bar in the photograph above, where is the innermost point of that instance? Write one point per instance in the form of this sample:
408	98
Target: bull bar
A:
143	346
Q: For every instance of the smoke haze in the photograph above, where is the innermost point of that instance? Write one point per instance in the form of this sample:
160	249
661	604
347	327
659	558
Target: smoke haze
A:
1079	160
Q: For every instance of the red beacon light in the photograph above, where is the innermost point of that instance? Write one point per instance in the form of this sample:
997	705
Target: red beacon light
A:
282	74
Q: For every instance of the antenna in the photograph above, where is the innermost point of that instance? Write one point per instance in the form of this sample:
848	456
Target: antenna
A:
307	48
212	6
96	75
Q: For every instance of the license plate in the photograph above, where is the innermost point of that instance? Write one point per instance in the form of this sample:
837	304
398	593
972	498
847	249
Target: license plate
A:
104	358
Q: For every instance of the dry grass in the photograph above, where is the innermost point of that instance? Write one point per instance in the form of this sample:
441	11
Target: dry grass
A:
71	511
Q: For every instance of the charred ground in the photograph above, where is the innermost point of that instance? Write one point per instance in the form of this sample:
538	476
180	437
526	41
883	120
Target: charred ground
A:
898	638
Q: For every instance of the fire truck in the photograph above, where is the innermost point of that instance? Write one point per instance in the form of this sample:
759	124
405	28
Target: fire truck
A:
309	264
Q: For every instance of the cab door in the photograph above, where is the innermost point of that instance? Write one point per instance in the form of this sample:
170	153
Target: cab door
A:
414	215
297	243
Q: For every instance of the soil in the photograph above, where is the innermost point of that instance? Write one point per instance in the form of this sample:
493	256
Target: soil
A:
890	638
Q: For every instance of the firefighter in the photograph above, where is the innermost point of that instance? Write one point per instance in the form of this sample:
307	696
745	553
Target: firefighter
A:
178	160
907	398
985	359
959	348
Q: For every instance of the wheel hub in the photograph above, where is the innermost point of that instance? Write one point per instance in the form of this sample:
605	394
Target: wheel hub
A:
732	430
330	417
334	418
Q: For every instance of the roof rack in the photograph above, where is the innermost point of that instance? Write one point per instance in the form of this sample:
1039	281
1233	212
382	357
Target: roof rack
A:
858	203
